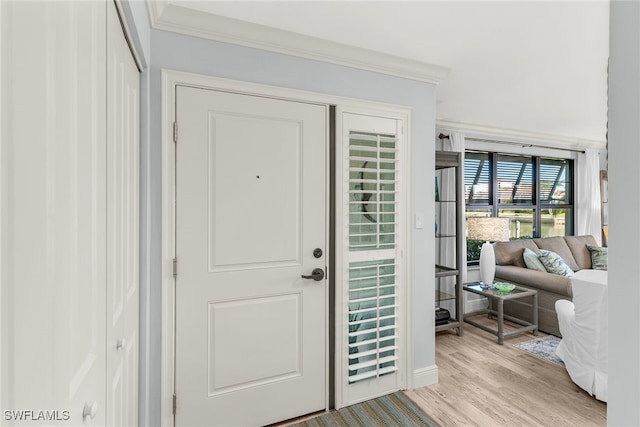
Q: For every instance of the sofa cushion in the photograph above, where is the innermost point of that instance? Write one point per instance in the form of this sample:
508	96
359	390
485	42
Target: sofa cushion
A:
559	246
554	263
531	260
510	253
558	285
599	257
578	247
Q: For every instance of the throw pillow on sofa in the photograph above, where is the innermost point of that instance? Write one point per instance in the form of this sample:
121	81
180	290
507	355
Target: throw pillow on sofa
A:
531	260
554	263
599	257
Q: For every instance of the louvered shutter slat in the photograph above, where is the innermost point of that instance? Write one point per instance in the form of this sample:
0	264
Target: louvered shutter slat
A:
373	362
372	374
369	342
371	352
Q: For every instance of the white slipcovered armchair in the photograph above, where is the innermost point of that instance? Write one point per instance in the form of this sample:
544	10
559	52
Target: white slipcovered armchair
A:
584	328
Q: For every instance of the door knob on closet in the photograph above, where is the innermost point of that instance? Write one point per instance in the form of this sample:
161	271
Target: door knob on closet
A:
121	343
90	410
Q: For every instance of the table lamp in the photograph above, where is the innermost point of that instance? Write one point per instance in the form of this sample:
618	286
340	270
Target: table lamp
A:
489	229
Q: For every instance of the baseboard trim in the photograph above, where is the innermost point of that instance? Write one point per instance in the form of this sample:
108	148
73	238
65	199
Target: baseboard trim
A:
425	376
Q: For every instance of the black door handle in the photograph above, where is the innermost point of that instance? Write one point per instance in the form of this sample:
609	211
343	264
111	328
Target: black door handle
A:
317	274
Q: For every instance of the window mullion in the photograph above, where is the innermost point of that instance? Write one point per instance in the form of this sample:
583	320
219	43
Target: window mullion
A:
493	178
537	223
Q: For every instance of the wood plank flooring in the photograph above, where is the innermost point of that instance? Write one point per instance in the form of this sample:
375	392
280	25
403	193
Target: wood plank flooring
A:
482	383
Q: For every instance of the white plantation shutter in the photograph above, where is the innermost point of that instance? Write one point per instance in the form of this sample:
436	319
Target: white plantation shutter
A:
372	319
371	244
372	191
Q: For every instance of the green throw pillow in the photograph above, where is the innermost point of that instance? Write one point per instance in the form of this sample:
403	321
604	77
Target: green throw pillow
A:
532	261
554	263
599	257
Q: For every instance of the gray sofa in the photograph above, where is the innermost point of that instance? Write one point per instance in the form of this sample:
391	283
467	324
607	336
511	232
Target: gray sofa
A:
510	267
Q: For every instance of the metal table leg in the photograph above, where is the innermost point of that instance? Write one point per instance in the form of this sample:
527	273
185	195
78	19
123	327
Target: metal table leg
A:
535	313
500	321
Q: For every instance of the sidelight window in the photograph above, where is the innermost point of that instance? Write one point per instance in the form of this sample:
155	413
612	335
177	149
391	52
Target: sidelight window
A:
370	271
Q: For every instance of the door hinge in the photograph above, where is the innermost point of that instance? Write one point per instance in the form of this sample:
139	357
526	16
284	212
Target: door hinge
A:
175	268
175	132
174	404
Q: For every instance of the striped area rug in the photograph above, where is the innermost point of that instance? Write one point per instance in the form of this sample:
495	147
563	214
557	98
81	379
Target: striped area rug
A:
387	411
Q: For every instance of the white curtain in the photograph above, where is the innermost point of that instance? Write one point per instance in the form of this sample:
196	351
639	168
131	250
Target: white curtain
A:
447	215
456	142
588	198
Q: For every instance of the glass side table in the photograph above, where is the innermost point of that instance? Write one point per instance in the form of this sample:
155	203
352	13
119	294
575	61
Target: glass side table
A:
497	297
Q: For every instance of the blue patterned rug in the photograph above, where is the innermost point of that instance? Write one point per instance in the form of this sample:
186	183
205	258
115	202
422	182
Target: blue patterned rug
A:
544	348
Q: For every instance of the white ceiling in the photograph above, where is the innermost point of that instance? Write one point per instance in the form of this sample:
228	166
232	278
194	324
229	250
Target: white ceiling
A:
527	66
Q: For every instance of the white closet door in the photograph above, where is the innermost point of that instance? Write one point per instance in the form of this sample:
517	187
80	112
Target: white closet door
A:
53	212
122	226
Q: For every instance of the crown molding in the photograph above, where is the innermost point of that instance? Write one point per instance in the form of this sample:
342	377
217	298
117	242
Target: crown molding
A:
550	140
169	16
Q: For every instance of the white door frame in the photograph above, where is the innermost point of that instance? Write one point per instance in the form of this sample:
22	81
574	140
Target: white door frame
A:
170	80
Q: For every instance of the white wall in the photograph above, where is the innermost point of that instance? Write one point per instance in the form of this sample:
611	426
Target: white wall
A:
185	53
624	206
165	50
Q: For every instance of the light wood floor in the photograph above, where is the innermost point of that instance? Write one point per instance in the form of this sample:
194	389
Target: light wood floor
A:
482	383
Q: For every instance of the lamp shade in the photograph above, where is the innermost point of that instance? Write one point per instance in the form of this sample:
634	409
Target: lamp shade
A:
488	229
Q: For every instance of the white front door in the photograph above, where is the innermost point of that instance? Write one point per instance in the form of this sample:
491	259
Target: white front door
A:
251	194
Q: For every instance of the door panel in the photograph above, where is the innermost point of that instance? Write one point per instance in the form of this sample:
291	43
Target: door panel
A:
251	208
238	212
233	365
122	226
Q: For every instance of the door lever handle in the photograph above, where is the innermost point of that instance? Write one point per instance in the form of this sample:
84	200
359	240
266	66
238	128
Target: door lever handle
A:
317	274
